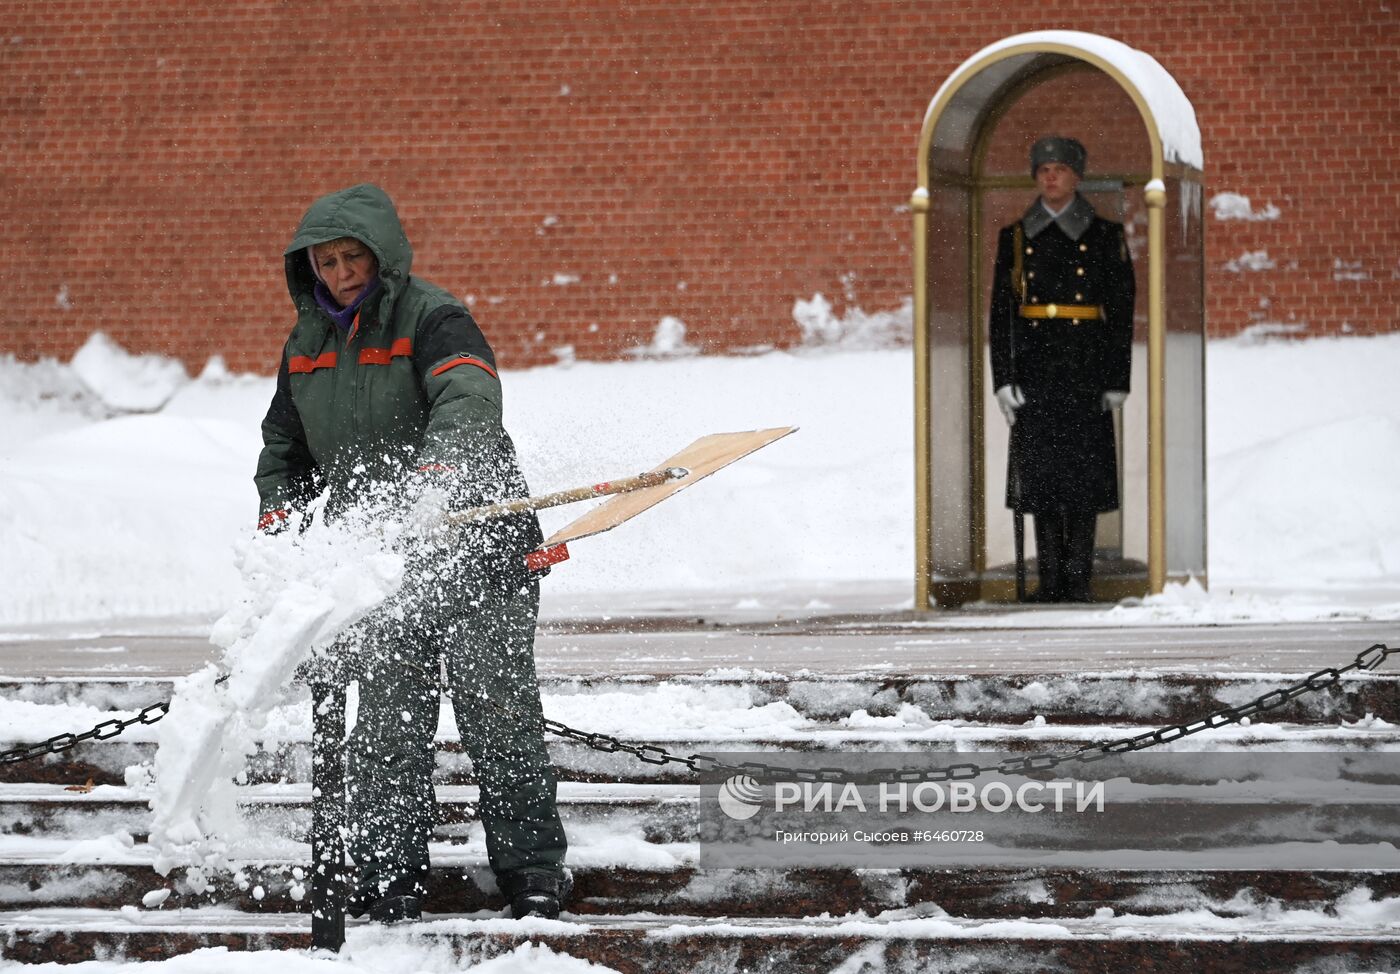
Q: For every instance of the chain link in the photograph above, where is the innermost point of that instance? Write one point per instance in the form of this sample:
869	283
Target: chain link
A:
1368	659
104	731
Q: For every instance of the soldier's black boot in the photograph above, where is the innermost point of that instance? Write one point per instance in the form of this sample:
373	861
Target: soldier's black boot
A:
1078	564
535	894
1049	544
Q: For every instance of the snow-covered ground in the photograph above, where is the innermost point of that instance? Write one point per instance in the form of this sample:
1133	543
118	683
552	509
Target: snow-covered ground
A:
370	952
109	512
126	491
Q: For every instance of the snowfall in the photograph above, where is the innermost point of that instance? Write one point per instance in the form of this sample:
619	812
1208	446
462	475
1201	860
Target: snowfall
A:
126	497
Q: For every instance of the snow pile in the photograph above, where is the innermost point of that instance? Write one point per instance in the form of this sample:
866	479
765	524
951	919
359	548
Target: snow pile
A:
855	329
301	591
1233	206
668	341
367	952
677	711
1250	260
125	382
1304	452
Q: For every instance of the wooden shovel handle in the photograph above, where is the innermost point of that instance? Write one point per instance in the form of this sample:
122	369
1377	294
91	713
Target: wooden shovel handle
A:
653	478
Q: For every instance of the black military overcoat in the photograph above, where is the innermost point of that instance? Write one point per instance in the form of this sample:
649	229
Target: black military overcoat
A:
1062	450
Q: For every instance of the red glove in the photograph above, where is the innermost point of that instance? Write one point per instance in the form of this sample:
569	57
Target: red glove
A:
273	522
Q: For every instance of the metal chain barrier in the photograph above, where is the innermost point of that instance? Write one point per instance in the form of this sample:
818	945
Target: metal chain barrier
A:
1366	660
102	732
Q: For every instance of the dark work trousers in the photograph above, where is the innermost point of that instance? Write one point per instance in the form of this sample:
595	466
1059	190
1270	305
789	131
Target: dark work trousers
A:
1064	546
488	650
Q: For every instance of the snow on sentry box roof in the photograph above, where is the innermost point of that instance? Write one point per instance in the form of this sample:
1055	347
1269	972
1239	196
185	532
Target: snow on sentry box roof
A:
1176	119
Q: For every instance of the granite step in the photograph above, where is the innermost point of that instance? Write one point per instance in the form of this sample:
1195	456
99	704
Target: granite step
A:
632	945
1087	697
619	869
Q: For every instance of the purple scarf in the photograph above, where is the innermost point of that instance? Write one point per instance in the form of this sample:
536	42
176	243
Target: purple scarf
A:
343	316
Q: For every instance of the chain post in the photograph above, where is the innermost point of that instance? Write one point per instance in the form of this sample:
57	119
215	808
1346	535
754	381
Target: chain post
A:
328	879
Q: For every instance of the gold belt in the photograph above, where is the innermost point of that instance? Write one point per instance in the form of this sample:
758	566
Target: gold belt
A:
1082	312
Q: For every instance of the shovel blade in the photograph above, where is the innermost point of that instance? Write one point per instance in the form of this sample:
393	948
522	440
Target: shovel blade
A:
701	458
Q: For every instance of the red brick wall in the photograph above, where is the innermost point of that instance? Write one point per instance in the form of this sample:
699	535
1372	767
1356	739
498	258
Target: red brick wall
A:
705	159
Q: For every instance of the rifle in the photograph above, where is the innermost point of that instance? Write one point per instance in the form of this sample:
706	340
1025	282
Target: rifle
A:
1018	519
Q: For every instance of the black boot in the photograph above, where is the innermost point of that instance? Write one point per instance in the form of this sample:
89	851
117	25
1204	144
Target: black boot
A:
393	909
1078	567
1049	544
535	894
402	900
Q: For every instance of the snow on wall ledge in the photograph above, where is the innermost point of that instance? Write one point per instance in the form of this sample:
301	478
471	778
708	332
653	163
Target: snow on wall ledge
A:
1176	118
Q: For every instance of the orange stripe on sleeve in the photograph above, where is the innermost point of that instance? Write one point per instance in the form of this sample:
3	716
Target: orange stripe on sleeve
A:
465	360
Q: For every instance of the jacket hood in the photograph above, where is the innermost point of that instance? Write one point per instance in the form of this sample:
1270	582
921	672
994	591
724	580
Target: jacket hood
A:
364	212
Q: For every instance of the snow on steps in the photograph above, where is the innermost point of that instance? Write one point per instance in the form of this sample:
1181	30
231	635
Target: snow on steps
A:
668	882
64	850
901	942
105	763
633	847
1085	697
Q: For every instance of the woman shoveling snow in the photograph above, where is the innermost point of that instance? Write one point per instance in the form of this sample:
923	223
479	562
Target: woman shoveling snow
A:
387	400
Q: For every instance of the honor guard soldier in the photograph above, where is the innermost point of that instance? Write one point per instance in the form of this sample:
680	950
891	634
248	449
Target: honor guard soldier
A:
1061	337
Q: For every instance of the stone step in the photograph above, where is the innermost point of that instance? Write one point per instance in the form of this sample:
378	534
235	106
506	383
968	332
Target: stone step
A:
617	868
58	817
1131	696
632	945
656	813
106	762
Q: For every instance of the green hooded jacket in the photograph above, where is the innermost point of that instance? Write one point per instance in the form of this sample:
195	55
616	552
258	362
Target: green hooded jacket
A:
410	386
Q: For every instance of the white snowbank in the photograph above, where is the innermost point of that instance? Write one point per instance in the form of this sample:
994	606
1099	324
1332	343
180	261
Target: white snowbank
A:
139	515
126	382
856	329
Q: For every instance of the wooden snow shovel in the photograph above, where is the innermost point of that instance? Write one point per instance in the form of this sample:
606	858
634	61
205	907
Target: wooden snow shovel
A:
629	496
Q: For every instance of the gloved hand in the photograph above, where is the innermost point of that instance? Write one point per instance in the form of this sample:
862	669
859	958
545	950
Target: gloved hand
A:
1113	399
273	522
428	506
1010	399
498	546
487	554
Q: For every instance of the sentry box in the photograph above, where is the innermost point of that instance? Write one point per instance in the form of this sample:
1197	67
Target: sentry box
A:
1144	170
